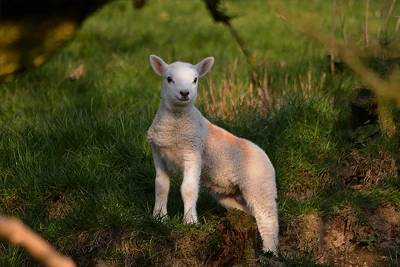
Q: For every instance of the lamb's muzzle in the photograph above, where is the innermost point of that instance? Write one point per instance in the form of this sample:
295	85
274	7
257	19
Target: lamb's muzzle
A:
185	95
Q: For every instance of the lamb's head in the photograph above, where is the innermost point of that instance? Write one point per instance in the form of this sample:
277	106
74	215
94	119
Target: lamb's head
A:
180	80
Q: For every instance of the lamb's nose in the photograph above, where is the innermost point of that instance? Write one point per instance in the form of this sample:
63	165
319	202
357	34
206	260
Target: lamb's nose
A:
184	93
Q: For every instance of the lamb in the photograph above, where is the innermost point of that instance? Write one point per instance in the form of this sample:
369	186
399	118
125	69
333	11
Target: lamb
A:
237	172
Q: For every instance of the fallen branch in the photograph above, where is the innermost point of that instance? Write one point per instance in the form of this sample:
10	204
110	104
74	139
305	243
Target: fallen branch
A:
19	234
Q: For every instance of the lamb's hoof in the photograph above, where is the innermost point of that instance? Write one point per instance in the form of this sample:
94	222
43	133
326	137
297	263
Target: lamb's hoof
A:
161	218
193	222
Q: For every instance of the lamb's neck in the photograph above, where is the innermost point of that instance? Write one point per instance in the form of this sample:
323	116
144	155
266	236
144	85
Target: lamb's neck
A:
177	111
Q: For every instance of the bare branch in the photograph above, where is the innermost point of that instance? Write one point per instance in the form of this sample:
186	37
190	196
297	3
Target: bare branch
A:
19	234
389	16
219	15
388	89
366	23
333	37
342	20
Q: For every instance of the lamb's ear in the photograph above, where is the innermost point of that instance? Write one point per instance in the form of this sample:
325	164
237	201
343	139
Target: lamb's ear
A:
204	66
158	65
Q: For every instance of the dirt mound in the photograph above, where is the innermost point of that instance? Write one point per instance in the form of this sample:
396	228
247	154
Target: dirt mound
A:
344	240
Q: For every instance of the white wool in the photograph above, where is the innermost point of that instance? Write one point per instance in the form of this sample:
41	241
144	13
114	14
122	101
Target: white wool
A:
238	172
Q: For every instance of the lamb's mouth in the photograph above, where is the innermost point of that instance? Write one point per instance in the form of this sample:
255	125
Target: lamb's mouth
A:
183	99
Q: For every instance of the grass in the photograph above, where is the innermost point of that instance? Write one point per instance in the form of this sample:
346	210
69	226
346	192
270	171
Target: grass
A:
76	166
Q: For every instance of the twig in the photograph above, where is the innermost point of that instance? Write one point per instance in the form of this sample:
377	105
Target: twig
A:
366	23
388	89
19	234
342	20
241	43
397	24
333	37
219	15
389	16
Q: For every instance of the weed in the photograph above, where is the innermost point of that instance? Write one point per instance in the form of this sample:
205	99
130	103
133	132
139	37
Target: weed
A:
369	242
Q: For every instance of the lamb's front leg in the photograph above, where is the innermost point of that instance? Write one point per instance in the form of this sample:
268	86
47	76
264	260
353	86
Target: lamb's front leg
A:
190	187
162	184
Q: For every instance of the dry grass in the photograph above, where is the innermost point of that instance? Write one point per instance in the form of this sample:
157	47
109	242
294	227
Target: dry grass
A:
233	96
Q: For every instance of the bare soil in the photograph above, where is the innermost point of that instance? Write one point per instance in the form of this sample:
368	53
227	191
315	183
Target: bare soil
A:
343	240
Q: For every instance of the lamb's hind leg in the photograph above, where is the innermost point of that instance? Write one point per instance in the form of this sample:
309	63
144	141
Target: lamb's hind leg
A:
265	213
261	198
267	223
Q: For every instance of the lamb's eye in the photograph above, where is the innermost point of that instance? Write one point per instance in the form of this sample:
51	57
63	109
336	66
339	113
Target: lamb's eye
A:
195	80
169	79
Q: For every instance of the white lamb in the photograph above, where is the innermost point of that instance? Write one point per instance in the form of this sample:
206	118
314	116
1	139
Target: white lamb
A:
238	172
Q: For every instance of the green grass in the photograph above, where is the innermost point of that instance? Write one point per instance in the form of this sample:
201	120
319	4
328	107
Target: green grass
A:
75	164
